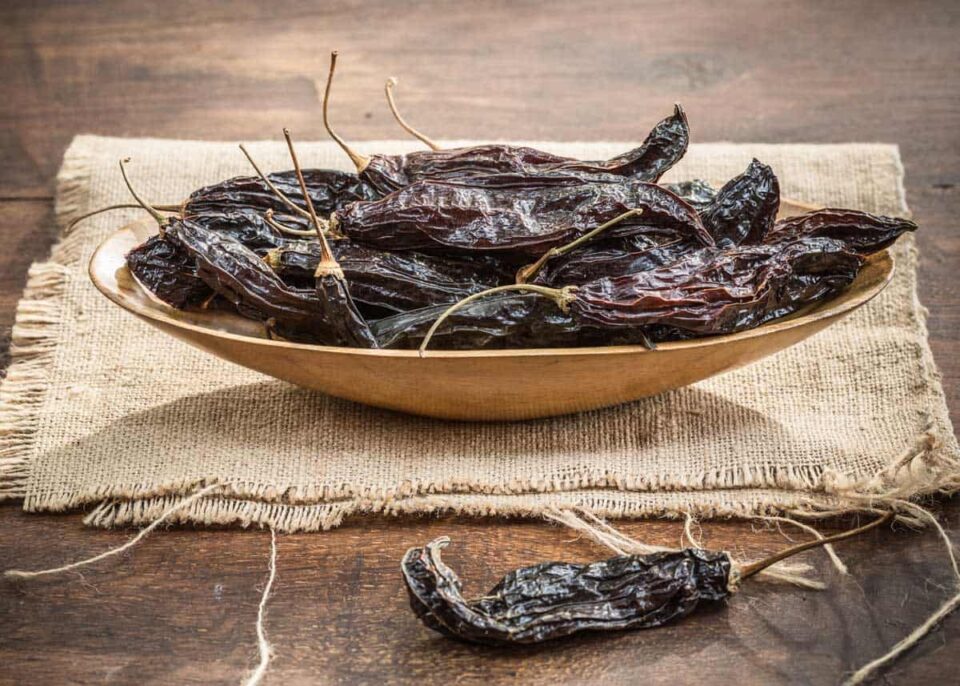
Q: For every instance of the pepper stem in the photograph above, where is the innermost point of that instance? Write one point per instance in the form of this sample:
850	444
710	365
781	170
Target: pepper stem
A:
121	206
328	263
277	226
153	212
531	270
561	296
388	89
755	567
276	191
359	160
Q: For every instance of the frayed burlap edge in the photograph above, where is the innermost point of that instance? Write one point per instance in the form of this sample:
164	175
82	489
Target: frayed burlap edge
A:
921	470
35	335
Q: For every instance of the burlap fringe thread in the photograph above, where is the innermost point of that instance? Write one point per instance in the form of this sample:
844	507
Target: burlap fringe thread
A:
919	471
33	339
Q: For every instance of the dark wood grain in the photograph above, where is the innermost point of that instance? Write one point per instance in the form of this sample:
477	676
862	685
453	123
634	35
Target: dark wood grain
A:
180	608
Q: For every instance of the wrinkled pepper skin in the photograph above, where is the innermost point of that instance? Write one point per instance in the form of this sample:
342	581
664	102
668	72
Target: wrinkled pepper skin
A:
697	192
617	257
553	600
239	275
394	281
247	227
745	209
860	232
168	272
330	190
663	148
714	291
506	320
517	216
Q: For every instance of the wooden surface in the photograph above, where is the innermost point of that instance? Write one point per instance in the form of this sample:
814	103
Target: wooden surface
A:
180	608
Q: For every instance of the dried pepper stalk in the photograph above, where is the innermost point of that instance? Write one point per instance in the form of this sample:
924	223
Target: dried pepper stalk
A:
388	91
665	145
337	308
556	599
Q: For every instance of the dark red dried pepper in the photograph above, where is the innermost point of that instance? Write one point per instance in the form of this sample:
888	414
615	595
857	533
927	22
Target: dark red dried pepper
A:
395	281
707	292
745	209
512	215
663	147
860	232
553	600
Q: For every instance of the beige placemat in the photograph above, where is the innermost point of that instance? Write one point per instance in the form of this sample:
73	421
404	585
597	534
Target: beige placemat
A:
99	410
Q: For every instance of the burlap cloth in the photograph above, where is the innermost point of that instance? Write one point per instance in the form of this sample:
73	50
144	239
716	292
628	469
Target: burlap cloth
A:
100	410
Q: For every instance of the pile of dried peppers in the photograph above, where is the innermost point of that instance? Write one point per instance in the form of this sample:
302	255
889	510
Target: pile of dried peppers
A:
501	246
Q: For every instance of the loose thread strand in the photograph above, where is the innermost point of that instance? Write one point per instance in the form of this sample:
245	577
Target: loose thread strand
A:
263	645
827	548
915	636
688	523
173	509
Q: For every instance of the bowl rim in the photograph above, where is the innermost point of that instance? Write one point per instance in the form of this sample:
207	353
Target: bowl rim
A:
822	310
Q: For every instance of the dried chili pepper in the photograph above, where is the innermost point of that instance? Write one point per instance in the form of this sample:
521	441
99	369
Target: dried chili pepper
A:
745	209
395	281
708	292
663	147
241	277
228	203
616	257
329	191
247	227
168	272
557	599
749	201
860	232
511	214
713	291
506	320
338	310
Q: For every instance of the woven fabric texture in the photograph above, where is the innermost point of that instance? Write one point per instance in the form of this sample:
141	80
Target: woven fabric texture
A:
101	411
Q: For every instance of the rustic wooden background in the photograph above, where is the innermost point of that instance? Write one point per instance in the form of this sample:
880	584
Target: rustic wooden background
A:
180	608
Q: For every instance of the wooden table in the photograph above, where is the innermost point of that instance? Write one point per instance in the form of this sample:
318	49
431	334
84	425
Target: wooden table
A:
180	608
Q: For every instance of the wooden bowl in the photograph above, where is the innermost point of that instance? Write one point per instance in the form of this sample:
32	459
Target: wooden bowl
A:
472	385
